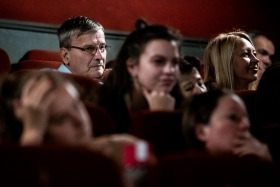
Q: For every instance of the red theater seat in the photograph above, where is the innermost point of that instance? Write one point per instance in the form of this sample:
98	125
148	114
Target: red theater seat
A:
199	170
5	63
88	85
102	122
248	96
57	167
34	65
40	54
161	128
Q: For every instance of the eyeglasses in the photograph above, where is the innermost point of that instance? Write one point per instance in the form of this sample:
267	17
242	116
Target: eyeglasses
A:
91	50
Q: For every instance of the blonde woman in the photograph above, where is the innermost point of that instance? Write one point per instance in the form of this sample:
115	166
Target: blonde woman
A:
230	62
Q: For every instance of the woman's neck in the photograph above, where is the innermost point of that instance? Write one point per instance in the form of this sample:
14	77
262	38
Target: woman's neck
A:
240	85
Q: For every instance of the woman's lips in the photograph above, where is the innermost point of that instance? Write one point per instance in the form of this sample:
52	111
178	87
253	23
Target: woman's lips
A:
167	81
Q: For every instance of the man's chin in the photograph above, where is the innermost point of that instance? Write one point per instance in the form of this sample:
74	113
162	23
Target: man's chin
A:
97	74
96	71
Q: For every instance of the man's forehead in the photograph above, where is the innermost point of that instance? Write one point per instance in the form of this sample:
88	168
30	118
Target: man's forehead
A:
89	32
98	37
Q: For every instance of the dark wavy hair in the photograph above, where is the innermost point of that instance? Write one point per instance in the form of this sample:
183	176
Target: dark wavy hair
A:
198	109
119	80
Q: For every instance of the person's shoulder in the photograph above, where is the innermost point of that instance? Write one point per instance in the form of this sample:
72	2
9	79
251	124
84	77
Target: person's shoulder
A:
62	68
48	69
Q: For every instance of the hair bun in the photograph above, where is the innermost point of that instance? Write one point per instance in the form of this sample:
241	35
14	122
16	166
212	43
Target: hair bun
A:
140	24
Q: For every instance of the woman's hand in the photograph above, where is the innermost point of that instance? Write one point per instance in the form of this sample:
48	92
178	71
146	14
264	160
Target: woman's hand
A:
32	109
249	145
159	100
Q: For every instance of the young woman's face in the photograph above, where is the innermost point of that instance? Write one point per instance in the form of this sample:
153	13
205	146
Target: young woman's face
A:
245	62
156	69
69	122
228	122
191	83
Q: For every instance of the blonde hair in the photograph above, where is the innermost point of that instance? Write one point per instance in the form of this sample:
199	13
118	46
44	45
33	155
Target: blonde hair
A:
218	59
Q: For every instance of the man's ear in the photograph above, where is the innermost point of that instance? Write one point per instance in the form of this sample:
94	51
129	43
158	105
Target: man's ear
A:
131	66
202	132
64	53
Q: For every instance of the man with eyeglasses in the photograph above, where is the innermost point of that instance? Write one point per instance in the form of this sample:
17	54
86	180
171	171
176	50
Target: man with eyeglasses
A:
83	48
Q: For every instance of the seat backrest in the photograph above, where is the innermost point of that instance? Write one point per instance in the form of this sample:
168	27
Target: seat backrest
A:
40	54
161	128
56	167
35	65
248	96
88	85
198	170
102	122
5	63
270	134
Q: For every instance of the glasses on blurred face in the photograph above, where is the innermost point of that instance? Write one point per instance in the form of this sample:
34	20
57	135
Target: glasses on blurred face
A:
91	50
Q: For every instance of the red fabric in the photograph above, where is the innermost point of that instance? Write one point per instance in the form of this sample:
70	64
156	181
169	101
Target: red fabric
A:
101	120
161	128
5	64
57	166
248	96
35	64
201	170
39	54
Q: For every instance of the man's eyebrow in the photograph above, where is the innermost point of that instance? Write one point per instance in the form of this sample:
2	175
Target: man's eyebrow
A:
262	51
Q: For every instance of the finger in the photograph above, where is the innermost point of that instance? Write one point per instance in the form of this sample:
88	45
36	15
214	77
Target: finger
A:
39	91
28	86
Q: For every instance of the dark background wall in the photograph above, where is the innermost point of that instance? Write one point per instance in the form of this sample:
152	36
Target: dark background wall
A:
197	19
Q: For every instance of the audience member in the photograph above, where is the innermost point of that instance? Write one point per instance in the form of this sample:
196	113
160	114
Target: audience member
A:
83	48
217	121
265	51
144	74
196	62
230	62
190	80
45	109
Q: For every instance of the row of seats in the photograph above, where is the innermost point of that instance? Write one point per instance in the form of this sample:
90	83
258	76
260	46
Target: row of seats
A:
56	167
48	59
202	170
60	166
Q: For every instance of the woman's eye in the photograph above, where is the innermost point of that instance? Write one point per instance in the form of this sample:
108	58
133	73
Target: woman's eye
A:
159	61
233	117
246	54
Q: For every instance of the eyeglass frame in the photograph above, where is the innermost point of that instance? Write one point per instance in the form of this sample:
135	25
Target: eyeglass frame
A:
107	48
